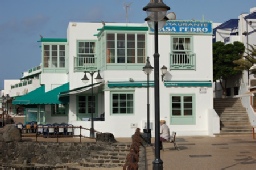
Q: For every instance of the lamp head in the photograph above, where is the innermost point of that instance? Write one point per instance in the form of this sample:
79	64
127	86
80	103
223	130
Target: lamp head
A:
147	68
156	10
85	78
98	77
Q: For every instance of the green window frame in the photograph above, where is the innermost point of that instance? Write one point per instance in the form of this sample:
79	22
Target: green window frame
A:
54	55
122	103
126	48
182	109
58	109
86	105
182	56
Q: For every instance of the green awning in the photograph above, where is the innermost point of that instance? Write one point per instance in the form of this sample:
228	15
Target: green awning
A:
38	96
28	98
52	97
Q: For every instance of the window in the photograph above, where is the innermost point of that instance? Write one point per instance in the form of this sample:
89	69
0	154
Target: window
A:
58	109
182	56
182	109
125	48
122	103
86	104
86	52
54	56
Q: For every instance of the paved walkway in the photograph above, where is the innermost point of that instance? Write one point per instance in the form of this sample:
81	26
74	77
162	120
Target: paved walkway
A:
196	153
208	153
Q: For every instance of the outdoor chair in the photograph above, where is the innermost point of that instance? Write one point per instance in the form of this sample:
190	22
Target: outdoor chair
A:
69	129
172	140
51	130
28	127
40	129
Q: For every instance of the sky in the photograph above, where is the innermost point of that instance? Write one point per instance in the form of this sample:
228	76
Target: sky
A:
23	21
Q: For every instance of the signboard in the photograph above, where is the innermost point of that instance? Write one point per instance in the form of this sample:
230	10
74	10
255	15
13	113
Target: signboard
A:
190	27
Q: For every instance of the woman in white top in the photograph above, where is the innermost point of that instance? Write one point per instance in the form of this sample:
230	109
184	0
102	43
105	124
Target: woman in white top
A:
164	133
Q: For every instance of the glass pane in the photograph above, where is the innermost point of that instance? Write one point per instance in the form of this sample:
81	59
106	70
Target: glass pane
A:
141	52
122	110
62	53
46	47
54	47
140	59
81	104
130	44
129	110
176	99
187	105
187	112
122	103
176	105
121	60
141	44
187	98
110	36
129	97
141	37
115	110
130	52
81	110
115	103
120	36
81	98
111	44
46	53
120	52
81	44
130	37
54	53
122	96
129	103
176	112
62	47
130	59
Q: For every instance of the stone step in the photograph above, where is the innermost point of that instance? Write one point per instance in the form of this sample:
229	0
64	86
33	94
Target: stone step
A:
103	164
236	130
231	118
237	123
109	157
236	127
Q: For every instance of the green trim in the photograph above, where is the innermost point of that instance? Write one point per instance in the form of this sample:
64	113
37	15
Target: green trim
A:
130	84
120	28
114	84
129	107
188	83
124	28
53	40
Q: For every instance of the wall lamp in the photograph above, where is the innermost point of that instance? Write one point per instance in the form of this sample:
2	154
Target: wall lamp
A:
164	71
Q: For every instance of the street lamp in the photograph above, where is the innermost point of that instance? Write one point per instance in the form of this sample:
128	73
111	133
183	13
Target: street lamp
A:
5	106
147	70
86	80
156	12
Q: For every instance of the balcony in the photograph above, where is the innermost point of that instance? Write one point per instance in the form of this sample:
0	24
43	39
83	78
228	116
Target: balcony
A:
85	63
182	61
31	72
24	87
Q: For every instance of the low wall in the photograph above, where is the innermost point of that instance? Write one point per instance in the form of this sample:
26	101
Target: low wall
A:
54	154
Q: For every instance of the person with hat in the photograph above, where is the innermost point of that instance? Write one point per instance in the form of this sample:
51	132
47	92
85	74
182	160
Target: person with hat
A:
164	133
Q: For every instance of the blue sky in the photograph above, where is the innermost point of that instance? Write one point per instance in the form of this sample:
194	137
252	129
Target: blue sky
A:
23	21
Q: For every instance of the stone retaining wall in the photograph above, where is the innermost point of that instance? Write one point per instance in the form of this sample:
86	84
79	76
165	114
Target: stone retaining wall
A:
56	154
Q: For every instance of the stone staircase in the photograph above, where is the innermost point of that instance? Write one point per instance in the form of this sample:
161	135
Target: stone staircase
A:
113	156
233	116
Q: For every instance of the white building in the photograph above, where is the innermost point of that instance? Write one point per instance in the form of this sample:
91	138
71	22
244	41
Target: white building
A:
56	92
243	86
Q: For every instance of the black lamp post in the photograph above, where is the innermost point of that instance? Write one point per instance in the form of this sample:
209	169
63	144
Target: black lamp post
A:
86	80
156	11
147	70
4	106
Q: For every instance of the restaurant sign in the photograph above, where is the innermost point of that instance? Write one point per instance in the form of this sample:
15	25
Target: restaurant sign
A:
187	27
